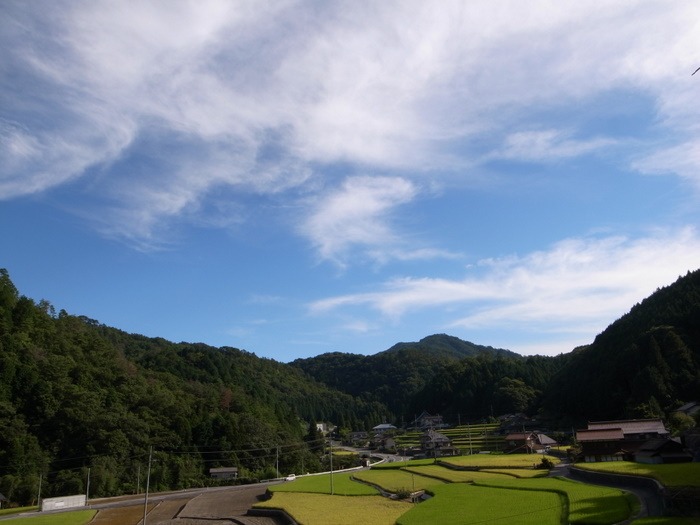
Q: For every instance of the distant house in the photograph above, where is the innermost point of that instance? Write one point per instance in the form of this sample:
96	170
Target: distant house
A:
689	409
426	421
528	442
3	499
358	439
224	472
435	444
383	428
662	450
618	440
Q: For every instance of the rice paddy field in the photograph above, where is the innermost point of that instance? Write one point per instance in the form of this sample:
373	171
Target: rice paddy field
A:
590	504
468	438
455	476
470	504
504	461
323	509
396	480
79	517
670	475
342	485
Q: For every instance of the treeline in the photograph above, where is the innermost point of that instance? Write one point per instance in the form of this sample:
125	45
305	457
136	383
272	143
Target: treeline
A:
646	364
77	395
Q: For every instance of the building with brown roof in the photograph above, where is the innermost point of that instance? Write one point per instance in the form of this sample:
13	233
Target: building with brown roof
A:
619	439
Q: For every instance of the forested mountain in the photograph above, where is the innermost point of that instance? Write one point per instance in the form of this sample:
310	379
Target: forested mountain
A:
393	376
644	364
76	394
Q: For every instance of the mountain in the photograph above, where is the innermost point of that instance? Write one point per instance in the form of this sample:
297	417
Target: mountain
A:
644	364
450	347
75	394
395	375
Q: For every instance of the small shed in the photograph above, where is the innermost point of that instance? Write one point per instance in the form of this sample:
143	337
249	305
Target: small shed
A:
224	472
3	499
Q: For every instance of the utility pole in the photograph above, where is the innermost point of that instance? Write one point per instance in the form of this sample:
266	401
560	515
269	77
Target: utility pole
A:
87	490
38	498
148	483
277	461
330	445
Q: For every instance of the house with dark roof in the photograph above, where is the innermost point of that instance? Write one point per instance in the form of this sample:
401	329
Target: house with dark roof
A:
528	442
434	444
663	450
426	421
618	440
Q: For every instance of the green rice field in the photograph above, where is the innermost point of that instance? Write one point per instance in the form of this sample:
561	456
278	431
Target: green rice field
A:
670	475
395	480
454	476
342	485
322	509
470	504
590	504
79	517
505	461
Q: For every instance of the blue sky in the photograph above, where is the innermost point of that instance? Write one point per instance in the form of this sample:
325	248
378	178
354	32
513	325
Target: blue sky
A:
293	178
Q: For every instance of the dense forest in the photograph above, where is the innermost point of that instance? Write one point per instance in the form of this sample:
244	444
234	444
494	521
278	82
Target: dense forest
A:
75	394
79	398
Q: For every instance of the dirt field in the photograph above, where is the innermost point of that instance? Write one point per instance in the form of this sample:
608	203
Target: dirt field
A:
220	507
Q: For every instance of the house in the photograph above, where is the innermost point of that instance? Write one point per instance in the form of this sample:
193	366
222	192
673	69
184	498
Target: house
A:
224	472
3	499
435	444
689	409
358	439
619	439
528	442
426	421
662	450
383	429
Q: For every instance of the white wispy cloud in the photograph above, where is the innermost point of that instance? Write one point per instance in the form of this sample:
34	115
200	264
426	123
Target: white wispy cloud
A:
357	214
257	97
569	288
548	145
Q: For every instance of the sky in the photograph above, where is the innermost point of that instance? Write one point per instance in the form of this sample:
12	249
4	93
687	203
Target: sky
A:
298	177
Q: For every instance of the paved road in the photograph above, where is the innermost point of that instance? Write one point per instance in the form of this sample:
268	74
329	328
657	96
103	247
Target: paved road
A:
650	502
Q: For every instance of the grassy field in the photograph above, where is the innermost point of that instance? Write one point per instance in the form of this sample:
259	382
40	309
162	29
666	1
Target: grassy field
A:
670	475
17	510
397	480
666	521
79	517
505	461
469	504
454	476
518	472
321	509
590	504
342	485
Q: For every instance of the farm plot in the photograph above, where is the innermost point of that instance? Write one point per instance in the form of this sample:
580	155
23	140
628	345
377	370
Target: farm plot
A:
505	461
322	509
79	517
342	485
670	475
454	476
470	504
395	480
586	503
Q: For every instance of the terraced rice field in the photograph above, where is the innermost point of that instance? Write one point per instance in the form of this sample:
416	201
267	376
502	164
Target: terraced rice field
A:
470	504
322	509
396	480
585	503
670	475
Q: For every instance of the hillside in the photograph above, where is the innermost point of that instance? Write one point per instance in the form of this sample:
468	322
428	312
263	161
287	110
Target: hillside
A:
76	394
395	375
644	364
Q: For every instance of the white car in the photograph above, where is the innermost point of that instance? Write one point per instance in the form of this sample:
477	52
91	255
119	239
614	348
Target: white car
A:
291	477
